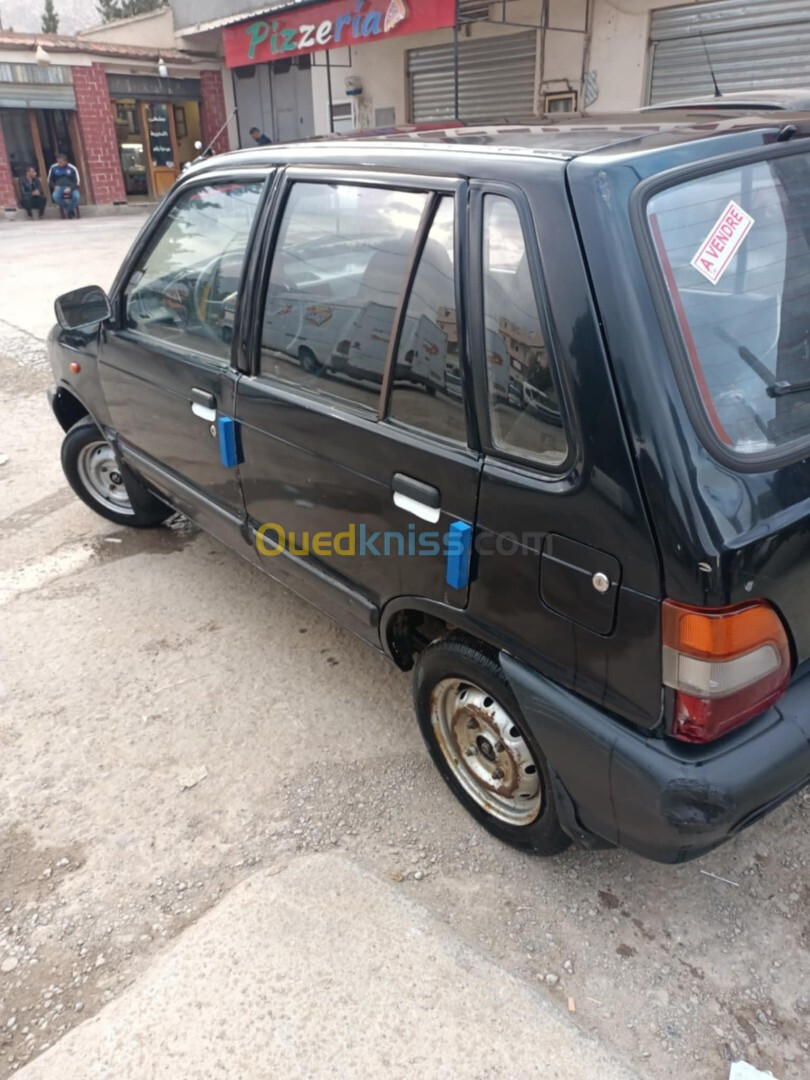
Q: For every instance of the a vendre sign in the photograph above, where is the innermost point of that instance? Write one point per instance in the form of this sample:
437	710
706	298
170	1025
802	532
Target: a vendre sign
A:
334	25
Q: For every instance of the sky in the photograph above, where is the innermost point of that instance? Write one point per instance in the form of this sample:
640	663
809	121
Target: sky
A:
27	14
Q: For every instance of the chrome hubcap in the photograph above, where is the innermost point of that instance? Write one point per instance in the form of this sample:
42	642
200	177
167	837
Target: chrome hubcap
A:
486	752
101	477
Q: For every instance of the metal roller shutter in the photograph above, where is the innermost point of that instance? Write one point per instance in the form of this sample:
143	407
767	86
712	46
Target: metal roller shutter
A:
759	45
496	78
36	97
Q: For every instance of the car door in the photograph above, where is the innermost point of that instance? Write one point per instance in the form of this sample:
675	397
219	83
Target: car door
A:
360	474
165	367
567	569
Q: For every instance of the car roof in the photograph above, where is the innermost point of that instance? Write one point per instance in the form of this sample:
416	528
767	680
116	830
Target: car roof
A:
561	137
749	100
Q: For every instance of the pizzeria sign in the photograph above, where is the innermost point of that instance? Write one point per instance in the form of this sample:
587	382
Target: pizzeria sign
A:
282	35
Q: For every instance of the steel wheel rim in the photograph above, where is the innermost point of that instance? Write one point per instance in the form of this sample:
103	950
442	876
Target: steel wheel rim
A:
101	476
486	752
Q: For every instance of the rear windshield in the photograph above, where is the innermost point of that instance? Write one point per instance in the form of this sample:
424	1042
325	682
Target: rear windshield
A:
734	247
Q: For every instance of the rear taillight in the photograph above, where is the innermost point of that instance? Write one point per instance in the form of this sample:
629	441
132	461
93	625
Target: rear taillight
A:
726	665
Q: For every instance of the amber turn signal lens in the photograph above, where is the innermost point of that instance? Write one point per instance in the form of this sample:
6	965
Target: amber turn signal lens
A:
75	368
721	633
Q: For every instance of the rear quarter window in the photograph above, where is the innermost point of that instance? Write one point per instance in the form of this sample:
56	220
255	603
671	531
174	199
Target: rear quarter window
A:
734	251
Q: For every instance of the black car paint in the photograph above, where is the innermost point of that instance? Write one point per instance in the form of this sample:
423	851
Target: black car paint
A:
589	687
725	533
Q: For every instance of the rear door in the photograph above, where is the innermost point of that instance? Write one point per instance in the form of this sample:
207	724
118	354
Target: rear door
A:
568	575
355	470
166	366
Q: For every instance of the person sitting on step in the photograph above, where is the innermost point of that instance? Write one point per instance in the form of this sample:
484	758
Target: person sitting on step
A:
64	181
32	193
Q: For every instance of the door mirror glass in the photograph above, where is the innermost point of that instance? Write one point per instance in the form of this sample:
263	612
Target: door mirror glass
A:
83	308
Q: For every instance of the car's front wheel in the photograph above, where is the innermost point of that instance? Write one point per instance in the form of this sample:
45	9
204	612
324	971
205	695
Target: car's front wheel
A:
93	471
480	743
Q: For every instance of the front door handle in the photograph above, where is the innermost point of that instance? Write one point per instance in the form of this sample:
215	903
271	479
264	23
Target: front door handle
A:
422	500
203	404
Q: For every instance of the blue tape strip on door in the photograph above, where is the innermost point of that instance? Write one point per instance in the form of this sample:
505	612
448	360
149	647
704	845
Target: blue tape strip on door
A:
459	550
230	445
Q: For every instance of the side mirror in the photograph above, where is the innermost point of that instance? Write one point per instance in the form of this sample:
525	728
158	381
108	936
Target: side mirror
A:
82	308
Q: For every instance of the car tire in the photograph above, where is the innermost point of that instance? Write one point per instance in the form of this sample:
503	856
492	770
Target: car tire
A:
309	362
481	745
92	470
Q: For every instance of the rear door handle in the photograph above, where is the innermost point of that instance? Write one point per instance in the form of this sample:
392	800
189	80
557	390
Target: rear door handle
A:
203	404
422	500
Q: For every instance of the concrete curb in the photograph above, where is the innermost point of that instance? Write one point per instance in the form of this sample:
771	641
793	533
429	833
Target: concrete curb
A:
318	969
90	211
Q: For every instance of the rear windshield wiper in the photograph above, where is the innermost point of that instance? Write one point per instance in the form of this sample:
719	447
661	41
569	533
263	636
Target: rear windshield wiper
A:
780	389
773	388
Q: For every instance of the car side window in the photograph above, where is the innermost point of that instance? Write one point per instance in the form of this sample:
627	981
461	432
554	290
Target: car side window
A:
185	289
338	270
524	404
427	377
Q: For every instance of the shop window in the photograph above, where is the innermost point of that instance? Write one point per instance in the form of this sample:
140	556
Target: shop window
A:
342	118
561	103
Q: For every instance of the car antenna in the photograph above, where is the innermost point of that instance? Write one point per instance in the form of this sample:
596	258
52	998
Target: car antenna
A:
711	69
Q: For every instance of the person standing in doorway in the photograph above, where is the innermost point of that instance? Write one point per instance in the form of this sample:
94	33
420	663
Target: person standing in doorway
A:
64	181
32	193
260	138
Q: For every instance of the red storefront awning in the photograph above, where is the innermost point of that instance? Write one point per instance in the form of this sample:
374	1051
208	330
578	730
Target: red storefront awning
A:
333	25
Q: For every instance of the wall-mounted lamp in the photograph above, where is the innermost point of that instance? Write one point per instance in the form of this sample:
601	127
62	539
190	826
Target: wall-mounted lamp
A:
42	58
163	71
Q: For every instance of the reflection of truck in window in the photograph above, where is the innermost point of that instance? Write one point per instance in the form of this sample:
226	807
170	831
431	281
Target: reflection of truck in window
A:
363	351
426	344
305	330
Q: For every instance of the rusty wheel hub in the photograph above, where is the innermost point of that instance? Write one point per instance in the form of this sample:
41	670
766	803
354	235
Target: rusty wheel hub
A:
486	752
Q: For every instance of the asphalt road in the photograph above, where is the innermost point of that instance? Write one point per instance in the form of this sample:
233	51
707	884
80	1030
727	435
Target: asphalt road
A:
172	721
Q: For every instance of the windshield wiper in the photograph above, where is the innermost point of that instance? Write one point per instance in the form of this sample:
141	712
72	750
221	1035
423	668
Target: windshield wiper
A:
780	389
773	388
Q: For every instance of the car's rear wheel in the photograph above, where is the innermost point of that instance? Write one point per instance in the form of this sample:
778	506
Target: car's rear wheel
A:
309	361
478	739
93	471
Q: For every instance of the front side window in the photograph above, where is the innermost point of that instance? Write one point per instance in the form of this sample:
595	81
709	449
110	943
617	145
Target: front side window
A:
426	390
524	404
185	290
734	249
338	271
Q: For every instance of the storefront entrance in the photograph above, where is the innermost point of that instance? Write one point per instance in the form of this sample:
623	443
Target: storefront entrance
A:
155	140
157	123
758	45
36	136
276	98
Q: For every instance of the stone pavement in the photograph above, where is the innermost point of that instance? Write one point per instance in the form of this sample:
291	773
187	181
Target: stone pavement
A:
318	969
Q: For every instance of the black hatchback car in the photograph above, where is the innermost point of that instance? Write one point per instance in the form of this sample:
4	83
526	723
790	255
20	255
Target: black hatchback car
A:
527	409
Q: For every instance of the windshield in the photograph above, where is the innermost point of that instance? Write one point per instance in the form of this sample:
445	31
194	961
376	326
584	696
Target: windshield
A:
734	248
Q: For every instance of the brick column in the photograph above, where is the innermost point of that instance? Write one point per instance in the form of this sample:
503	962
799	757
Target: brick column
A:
213	111
97	129
8	197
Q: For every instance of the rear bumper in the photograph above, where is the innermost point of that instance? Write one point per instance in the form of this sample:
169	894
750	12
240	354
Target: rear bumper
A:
665	800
